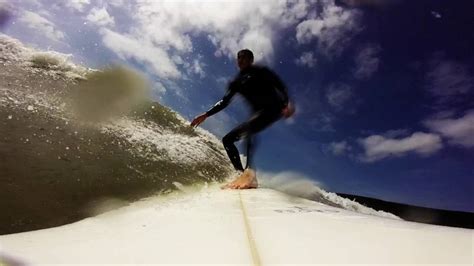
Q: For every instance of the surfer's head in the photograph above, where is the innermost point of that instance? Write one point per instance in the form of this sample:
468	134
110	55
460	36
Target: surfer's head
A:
244	58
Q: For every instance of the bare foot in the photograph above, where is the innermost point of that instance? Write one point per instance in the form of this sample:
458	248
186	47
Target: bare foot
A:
231	183
246	180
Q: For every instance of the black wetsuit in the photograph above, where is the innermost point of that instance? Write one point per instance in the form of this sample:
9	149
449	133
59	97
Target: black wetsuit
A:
267	96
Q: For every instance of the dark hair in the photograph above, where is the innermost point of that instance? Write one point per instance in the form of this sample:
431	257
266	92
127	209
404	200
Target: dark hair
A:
247	53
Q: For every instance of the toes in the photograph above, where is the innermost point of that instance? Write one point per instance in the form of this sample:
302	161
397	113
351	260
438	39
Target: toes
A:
243	187
226	186
238	186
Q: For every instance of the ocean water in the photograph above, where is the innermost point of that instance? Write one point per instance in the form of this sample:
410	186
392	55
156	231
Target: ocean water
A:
72	138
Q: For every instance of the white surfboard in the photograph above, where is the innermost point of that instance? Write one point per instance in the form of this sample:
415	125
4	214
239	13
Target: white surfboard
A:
250	227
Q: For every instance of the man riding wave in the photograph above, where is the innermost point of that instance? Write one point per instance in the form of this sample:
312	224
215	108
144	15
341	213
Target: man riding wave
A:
268	98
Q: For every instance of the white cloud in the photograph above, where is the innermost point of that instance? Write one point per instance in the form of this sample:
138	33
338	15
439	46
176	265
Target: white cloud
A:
39	23
338	94
100	17
159	88
32	3
367	61
165	30
220	124
230	25
127	47
241	25
6	10
369	3
436	14
306	59
322	122
332	28
117	3
459	131
378	147
395	133
448	80
339	148
78	5
192	66
223	80
442	114
197	68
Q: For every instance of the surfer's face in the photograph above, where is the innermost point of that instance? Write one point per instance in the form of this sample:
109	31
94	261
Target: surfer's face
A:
243	61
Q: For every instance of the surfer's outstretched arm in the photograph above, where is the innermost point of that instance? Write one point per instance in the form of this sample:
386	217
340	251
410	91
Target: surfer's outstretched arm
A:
222	103
216	108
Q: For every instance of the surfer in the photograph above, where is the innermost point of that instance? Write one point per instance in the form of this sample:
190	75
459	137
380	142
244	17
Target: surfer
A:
268	98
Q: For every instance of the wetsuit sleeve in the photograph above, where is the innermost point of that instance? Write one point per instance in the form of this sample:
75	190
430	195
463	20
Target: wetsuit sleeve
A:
278	85
224	102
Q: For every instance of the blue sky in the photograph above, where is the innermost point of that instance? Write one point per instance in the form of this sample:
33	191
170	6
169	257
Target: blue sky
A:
383	89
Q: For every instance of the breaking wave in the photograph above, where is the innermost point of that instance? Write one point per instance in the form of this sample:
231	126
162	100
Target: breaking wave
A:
77	141
13	51
296	184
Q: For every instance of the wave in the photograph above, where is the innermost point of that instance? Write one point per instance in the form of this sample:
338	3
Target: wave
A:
296	184
55	63
58	168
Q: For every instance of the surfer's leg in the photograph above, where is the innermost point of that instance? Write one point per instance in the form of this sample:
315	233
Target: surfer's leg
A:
229	146
248	130
251	144
231	150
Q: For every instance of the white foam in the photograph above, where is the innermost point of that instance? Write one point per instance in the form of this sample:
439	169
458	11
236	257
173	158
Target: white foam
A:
299	185
202	132
177	147
59	63
143	136
50	62
53	64
12	49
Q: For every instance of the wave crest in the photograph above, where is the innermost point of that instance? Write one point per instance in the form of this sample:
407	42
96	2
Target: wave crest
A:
297	184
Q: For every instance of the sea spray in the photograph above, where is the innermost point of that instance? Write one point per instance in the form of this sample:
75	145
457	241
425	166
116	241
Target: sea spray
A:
109	93
299	185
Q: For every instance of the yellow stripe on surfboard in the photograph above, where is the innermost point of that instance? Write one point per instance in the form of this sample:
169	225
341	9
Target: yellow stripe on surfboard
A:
253	247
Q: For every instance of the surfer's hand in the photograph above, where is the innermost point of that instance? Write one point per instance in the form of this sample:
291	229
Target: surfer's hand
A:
198	120
288	111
